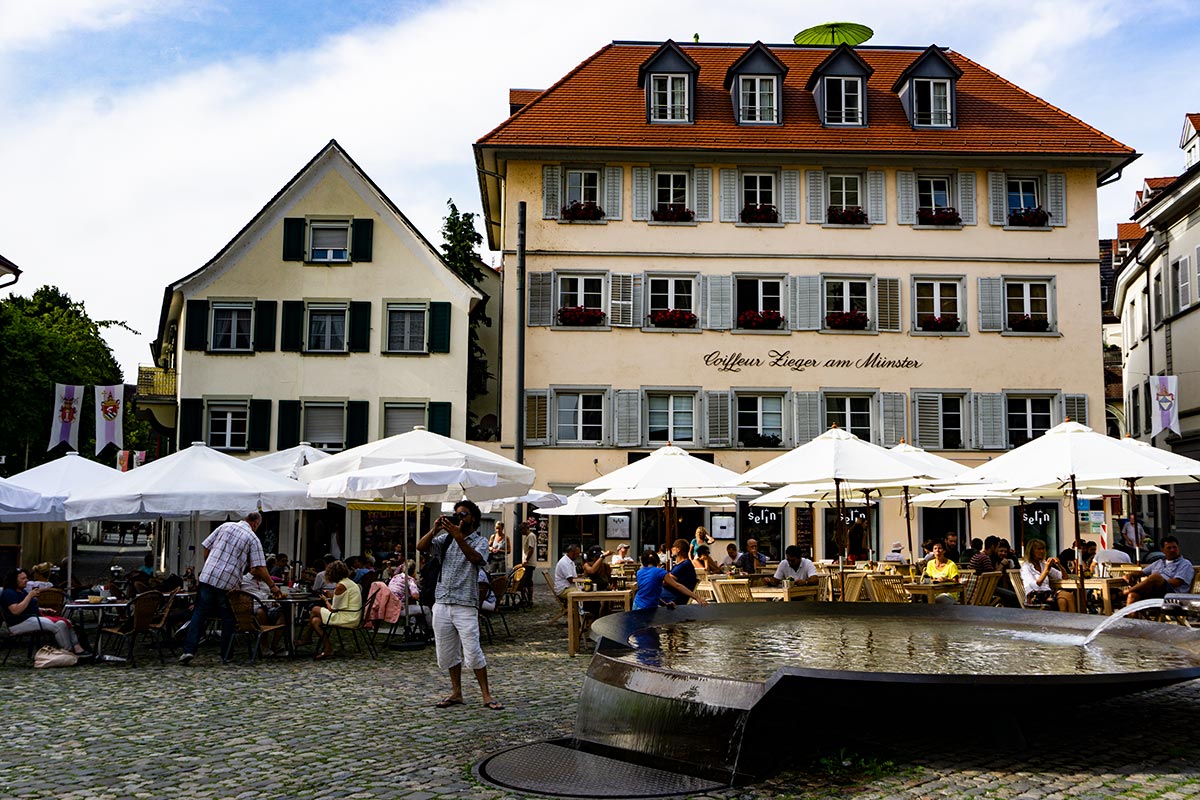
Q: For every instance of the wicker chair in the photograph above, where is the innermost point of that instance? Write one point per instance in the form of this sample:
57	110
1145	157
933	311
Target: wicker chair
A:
887	589
52	601
245	606
853	583
733	591
512	594
148	617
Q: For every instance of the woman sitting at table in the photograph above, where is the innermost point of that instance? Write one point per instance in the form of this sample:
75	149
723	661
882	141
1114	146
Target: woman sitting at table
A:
703	560
20	608
1036	574
343	610
39	577
651	579
939	567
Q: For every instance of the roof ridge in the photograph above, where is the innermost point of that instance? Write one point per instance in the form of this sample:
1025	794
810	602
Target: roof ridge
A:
788	45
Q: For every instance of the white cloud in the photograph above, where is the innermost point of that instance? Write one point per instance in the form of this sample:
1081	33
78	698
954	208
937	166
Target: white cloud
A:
31	23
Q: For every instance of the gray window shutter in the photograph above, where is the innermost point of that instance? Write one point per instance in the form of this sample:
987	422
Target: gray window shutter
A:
702	180
629	418
966	197
790	184
876	197
614	186
991	304
537	416
887	304
639	315
997	199
1056	198
551	191
541	299
641	194
718	302
620	293
892	418
989	420
807	407
807	302
717	411
815	188
729	195
906	197
1077	408
927	424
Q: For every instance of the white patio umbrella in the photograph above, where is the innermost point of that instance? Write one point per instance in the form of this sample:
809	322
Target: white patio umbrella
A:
656	498
57	480
581	504
288	462
16	499
937	466
535	498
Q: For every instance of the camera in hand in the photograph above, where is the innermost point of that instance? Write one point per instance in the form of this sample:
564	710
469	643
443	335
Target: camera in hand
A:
458	517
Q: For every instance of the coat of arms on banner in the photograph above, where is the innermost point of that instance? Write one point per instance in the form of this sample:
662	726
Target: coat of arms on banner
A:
110	407
1166	399
68	410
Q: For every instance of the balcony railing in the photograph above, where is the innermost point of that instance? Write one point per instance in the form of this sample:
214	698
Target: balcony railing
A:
155	383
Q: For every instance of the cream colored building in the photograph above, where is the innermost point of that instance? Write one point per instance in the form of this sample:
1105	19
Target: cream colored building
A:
847	237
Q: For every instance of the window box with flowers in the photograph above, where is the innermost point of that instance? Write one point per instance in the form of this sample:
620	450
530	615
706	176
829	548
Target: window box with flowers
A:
672	318
672	213
947	323
580	317
760	320
846	215
1023	323
1029	218
751	439
582	212
760	214
939	217
847	321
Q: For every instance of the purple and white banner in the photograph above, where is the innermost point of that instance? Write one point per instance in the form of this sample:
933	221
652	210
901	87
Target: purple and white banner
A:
68	403
110	409
1165	399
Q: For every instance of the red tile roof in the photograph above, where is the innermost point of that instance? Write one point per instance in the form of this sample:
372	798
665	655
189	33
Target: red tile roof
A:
1195	120
1127	231
521	97
1159	183
598	104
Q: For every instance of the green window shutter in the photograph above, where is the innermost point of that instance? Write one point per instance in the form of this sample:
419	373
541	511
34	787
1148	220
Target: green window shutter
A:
191	422
439	327
537	417
195	330
260	425
887	305
439	418
288	433
264	326
293	239
291	332
360	326
357	412
362	233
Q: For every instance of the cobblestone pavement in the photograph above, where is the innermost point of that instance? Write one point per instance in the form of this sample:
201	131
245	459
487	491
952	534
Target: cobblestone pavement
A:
357	728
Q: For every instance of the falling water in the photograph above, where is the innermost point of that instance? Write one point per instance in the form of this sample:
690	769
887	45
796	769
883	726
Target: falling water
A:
1132	608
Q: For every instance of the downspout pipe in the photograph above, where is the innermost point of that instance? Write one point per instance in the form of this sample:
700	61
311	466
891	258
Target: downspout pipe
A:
519	411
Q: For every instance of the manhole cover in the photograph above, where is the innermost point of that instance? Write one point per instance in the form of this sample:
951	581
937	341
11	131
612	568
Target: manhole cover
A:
557	770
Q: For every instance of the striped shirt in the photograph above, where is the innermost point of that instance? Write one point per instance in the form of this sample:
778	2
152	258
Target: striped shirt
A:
233	548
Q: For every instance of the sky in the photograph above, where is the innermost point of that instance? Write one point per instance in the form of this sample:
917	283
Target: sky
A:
138	136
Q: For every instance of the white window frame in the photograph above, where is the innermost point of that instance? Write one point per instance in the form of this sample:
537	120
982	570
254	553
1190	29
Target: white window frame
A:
328	255
779	280
584	277
839	116
934	120
672	430
869	398
751	109
1038	193
949	181
583	173
234	308
556	396
773	191
326	308
402	405
844	176
401	307
939	282
1028	398
672	292
329	446
230	410
674	112
845	281
1027	300
759	413
673	174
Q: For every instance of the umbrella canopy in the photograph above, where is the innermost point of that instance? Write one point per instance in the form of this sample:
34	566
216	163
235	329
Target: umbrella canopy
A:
580	504
834	33
57	480
936	466
288	462
668	469
836	455
196	480
431	482
1173	461
655	498
420	445
19	500
803	494
535	498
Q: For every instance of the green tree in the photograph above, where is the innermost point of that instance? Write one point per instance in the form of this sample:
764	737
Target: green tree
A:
461	252
46	339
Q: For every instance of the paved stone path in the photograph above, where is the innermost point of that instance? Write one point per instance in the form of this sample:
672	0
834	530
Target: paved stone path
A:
357	728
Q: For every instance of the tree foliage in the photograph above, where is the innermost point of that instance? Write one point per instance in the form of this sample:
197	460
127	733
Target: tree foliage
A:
461	252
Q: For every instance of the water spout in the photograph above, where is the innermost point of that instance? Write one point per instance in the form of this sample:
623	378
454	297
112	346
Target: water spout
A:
1132	608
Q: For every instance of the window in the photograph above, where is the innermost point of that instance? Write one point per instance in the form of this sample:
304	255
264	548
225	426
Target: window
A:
954	435
937	302
1144	308
758	99
850	413
845	191
758	189
1022	195
843	101
325	425
1158	298
583	186
329	240
845	294
931	100
1028	418
401	418
759	294
671	418
1181	295
1135	412
231	326
1027	304
1147	409
668	294
669	98
406	328
228	424
933	193
579	416
581	290
760	420
326	329
670	191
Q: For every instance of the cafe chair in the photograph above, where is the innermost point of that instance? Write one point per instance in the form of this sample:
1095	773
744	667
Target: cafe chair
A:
245	607
32	639
982	588
52	601
733	591
512	594
887	589
1014	577
853	583
562	601
499	587
824	588
361	628
147	618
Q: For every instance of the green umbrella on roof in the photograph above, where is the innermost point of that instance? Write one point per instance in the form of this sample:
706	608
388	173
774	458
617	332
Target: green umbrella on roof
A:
834	33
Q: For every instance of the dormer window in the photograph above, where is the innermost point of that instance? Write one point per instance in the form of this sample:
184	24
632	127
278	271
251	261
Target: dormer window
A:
755	85
843	101
668	77
759	101
669	98
839	87
926	89
931	102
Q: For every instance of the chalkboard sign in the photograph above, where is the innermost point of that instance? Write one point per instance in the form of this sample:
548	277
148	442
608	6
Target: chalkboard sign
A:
804	531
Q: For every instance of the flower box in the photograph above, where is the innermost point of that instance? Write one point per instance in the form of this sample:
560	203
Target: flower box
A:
850	215
672	318
760	214
760	320
750	439
1029	218
943	324
847	321
582	212
672	213
580	316
1028	324
938	216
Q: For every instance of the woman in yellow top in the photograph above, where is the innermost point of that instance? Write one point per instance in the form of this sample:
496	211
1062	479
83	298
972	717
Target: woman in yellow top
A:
940	568
343	610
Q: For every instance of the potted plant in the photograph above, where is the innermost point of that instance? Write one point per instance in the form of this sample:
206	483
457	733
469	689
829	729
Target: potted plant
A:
760	320
754	439
847	215
943	324
759	214
847	320
938	216
674	212
1029	218
1023	323
672	318
580	316
582	212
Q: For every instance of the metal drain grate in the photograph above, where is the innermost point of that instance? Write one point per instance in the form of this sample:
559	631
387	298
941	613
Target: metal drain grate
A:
556	770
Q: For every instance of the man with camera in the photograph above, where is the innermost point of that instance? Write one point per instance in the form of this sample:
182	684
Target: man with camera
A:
462	551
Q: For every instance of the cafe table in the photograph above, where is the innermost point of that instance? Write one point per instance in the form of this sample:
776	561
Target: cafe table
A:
292	605
76	608
931	590
577	596
797	591
1106	586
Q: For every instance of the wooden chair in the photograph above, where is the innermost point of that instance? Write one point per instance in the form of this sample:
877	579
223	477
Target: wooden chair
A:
245	607
853	583
733	591
887	589
147	617
824	588
562	601
982	588
1018	584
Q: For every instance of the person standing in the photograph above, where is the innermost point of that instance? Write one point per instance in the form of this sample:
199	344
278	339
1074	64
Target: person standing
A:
229	552
529	555
498	548
463	552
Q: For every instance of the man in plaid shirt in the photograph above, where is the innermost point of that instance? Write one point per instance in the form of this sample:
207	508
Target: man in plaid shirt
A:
229	551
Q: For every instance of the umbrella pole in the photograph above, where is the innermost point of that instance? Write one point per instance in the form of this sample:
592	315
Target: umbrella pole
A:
1080	596
841	519
1137	540
908	524
969	523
